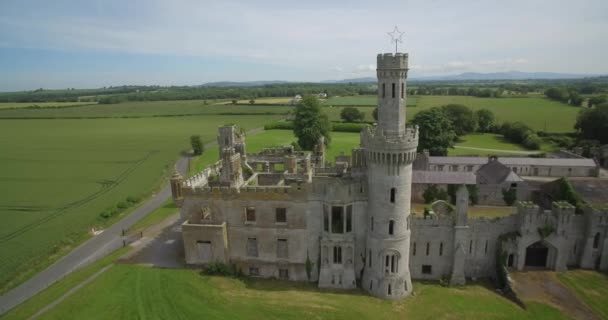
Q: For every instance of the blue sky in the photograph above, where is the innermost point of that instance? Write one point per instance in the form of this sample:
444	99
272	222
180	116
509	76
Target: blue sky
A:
85	44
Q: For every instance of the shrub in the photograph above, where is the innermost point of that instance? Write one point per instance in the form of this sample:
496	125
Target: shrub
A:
509	196
532	142
221	269
351	114
348	127
122	205
430	193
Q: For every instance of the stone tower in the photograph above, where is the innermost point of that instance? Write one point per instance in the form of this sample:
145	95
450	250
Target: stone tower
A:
390	149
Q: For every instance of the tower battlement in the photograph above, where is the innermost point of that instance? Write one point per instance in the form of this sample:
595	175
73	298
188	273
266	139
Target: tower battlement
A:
392	61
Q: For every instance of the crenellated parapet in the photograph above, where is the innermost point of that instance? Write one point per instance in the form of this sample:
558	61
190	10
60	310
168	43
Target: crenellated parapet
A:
392	65
391	150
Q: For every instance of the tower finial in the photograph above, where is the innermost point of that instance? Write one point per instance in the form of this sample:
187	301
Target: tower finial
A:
396	36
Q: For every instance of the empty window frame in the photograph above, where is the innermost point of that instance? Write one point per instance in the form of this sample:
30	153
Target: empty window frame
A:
337	219
427	269
284	274
252	247
349	218
337	255
393	191
393	87
391	227
282	249
250	214
280	215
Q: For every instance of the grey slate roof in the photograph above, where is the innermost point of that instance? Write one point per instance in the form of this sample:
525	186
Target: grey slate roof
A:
495	172
438	177
514	161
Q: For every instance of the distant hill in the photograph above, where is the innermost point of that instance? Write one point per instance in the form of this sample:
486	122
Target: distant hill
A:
353	80
509	75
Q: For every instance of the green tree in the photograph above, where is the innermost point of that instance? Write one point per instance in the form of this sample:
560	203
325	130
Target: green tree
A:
592	124
576	99
595	101
509	196
351	114
463	119
310	123
197	144
435	131
430	193
252	101
234	101
485	120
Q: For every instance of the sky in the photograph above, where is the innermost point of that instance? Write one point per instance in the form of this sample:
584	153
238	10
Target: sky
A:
89	44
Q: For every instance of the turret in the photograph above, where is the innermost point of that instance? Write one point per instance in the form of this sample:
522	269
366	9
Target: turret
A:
390	149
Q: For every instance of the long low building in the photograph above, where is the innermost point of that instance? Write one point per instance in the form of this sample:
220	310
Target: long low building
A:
523	166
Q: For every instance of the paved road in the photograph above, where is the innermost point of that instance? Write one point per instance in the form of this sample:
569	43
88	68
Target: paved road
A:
499	150
93	249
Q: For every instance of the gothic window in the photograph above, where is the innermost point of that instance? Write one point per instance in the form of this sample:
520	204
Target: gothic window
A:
596	241
391	227
349	218
428	248
441	249
337	219
393	190
369	263
325	219
281	215
471	247
402	90
389	289
383	90
371	225
393	86
414	249
337	255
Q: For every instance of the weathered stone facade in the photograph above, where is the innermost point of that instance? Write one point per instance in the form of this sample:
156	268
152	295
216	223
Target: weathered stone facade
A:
282	213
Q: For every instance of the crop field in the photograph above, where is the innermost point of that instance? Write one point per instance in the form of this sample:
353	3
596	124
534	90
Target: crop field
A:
145	109
131	292
12	105
57	176
270	100
537	112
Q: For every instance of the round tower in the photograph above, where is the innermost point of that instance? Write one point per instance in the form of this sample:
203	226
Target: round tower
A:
390	150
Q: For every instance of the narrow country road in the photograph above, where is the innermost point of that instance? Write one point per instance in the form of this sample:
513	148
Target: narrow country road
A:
88	252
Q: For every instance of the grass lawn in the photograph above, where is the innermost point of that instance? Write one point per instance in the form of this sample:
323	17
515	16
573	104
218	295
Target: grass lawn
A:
591	287
11	105
57	176
128	292
468	143
489	212
167	209
371	101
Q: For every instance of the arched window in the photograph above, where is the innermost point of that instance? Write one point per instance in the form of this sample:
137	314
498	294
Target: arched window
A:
596	241
414	249
393	90
441	249
337	255
389	290
393	190
402	90
384	90
391	227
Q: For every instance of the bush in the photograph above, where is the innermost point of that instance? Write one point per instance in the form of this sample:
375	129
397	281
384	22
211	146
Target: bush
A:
122	205
348	127
133	199
351	114
509	196
430	193
221	269
532	142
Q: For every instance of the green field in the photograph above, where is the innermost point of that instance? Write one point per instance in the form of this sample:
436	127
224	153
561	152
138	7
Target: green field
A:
11	105
591	287
57	176
145	109
539	113
131	292
371	101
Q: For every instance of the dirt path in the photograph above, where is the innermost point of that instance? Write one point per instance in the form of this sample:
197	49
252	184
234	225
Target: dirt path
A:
543	286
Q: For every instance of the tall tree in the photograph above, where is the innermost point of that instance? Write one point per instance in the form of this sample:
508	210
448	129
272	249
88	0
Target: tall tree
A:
485	120
310	123
463	119
435	131
592	124
197	144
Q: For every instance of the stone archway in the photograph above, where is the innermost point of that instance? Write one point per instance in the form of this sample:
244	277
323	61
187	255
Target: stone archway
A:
540	254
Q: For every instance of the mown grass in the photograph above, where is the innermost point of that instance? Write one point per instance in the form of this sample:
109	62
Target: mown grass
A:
166	210
371	101
130	292
591	287
56	290
57	176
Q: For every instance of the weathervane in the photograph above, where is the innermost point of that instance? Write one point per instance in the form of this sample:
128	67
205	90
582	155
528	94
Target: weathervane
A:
396	37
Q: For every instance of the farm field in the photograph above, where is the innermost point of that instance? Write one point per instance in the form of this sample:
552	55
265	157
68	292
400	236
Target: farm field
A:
127	292
10	105
539	113
57	176
145	109
370	101
270	100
